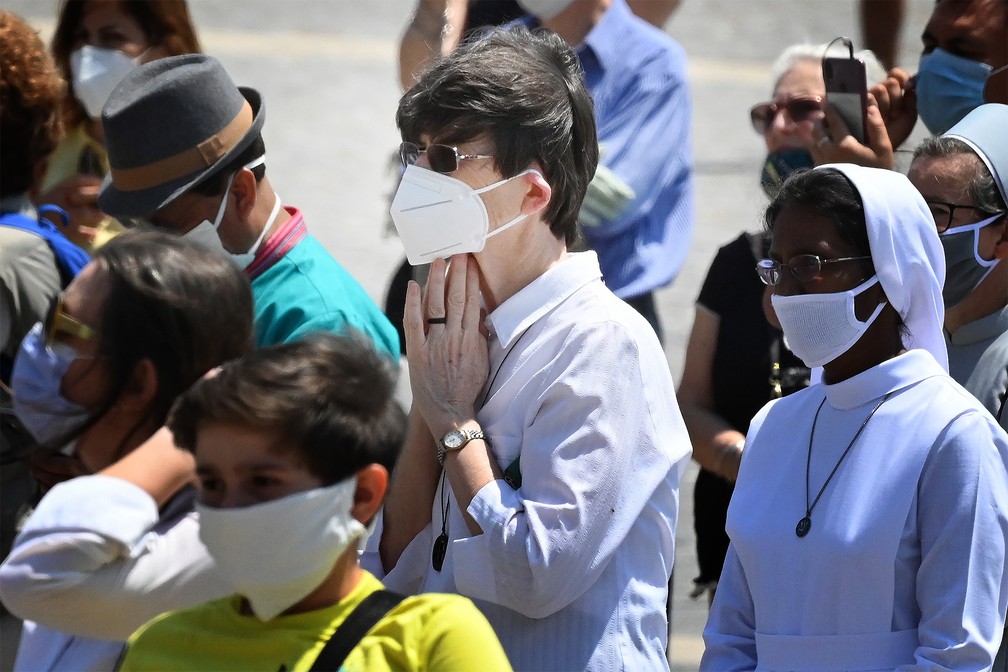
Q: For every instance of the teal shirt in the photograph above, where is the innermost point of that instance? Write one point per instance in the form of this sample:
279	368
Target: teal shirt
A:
307	291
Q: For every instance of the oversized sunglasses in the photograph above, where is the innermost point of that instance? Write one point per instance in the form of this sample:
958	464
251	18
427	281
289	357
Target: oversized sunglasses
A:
58	322
804	267
442	158
800	108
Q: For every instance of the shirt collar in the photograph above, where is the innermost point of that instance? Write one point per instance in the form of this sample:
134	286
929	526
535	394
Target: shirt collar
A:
605	39
542	295
901	371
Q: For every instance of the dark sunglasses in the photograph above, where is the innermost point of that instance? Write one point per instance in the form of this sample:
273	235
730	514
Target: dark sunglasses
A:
442	158
801	108
58	322
804	267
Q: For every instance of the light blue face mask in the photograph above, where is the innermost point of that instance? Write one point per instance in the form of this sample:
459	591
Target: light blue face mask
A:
948	88
35	383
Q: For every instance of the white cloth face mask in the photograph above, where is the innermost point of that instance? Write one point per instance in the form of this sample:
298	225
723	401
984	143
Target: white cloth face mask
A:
95	73
821	327
437	215
276	553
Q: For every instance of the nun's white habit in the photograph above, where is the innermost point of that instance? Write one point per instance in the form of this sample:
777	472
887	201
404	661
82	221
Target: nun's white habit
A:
904	564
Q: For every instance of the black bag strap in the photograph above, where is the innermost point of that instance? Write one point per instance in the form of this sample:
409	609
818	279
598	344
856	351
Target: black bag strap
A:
351	631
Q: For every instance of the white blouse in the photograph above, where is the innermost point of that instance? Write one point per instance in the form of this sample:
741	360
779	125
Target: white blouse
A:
904	564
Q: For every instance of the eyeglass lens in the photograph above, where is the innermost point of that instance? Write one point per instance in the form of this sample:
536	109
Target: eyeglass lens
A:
799	109
943	214
442	158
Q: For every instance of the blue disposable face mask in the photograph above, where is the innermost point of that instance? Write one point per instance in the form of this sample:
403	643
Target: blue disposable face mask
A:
948	88
965	268
35	383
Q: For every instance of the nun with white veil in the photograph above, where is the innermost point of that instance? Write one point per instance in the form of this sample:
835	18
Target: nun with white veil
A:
869	521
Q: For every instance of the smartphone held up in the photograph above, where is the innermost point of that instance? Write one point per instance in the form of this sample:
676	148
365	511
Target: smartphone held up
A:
847	90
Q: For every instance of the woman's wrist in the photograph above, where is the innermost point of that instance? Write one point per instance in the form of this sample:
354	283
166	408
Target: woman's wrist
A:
729	459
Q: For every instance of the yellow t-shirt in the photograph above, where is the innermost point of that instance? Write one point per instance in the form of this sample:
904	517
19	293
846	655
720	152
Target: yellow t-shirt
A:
423	632
66	161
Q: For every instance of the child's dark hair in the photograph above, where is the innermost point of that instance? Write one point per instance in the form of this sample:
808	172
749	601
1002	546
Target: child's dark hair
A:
329	397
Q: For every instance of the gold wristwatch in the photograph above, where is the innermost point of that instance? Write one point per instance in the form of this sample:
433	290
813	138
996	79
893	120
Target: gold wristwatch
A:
456	439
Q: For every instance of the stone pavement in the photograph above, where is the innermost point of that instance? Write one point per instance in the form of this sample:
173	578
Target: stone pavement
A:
327	70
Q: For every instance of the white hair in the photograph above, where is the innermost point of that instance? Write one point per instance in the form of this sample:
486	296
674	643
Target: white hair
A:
797	53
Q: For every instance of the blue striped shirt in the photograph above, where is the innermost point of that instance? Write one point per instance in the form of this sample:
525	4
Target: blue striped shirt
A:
637	76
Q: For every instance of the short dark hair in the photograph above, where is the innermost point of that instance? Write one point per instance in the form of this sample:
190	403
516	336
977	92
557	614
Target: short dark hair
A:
169	301
524	91
214	183
165	22
330	396
980	187
30	94
828	193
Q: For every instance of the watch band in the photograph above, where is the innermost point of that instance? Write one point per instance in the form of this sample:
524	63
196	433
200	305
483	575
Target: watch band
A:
456	439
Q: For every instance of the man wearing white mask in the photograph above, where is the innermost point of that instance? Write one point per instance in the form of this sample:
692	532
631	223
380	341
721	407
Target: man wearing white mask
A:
541	466
186	155
961	176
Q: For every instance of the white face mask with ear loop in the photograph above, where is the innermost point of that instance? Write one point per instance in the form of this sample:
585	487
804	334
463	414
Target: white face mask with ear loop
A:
206	233
95	72
437	215
821	327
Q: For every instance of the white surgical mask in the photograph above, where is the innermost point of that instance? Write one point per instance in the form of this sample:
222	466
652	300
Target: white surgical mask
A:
96	72
437	215
821	327
276	553
206	233
544	10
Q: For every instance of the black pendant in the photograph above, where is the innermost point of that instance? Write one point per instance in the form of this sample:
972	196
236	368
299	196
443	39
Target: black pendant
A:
803	526
440	549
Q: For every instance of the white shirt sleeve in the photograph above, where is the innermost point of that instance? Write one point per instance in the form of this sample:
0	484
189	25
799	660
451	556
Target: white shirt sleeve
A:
87	562
962	516
600	441
730	634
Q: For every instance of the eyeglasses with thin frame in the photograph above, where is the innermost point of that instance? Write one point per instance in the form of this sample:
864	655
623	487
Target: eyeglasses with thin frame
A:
442	158
944	213
804	267
799	108
58	322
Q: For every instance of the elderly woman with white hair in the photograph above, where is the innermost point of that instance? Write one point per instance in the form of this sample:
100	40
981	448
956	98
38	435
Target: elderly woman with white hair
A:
869	520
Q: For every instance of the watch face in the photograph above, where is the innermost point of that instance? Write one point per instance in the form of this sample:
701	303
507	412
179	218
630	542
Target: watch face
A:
453	439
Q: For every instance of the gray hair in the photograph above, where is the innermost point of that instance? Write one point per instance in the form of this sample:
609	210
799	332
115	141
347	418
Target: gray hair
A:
980	186
796	53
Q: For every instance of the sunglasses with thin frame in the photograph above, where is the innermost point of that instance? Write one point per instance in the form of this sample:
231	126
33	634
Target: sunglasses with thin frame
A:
804	267
442	158
799	108
57	321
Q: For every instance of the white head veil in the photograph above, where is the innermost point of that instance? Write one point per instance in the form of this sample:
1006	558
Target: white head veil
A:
906	252
985	130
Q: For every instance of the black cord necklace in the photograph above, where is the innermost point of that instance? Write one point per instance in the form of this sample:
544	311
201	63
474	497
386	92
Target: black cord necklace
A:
805	524
440	548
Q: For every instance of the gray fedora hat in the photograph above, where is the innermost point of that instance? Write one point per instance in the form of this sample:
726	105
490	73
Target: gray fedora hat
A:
170	124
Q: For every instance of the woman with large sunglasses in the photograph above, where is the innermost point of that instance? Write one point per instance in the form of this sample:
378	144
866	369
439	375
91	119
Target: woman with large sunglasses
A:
736	360
104	553
869	520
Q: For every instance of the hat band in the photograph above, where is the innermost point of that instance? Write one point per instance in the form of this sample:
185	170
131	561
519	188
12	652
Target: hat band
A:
187	162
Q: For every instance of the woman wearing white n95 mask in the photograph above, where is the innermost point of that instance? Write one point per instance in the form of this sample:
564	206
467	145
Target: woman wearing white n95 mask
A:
869	519
95	44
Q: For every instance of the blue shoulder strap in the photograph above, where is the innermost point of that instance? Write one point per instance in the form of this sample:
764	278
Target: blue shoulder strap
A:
69	258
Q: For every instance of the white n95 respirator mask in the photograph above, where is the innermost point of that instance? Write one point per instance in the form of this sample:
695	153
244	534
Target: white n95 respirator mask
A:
437	215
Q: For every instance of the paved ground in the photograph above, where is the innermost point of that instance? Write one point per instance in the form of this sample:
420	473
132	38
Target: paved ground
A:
327	71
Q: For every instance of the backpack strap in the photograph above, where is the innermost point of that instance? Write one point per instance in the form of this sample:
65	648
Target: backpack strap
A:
70	259
351	631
